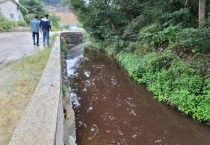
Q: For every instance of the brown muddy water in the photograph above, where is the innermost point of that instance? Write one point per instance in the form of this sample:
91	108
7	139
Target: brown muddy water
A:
111	109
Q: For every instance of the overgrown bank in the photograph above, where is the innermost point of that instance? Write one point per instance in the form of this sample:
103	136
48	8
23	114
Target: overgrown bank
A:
8	25
172	81
159	44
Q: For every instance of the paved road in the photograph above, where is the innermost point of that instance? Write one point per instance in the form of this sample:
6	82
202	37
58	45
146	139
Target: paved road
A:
14	45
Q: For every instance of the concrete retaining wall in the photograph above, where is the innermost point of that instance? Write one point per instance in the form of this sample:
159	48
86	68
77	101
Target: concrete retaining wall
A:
42	122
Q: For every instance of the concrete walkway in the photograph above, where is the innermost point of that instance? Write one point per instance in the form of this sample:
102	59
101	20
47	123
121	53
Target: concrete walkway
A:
15	45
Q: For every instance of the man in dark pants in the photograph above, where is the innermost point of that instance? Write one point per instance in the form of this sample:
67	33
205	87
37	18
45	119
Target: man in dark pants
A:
45	27
34	27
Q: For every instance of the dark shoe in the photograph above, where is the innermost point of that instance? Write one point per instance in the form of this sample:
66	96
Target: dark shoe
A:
34	43
37	44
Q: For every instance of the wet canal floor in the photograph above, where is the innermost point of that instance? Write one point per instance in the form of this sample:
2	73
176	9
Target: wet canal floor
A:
111	109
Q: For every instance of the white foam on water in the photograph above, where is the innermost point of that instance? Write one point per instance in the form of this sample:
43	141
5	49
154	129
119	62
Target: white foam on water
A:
114	81
87	74
84	90
85	125
74	100
132	112
87	83
90	109
71	63
134	136
120	132
80	123
158	141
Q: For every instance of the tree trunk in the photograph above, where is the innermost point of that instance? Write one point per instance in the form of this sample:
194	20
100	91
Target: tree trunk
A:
186	3
202	5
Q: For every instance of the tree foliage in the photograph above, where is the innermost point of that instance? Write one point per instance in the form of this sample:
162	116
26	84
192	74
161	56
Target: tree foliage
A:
105	19
34	7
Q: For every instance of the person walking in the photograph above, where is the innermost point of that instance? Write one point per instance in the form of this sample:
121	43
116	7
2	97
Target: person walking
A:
34	27
45	26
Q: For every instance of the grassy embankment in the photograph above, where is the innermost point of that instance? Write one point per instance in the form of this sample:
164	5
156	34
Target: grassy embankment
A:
17	85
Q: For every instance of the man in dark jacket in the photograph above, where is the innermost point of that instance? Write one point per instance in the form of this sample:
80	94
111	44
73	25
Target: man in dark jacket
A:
45	26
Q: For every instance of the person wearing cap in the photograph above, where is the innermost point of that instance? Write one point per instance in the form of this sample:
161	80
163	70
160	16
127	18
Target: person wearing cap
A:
34	27
45	26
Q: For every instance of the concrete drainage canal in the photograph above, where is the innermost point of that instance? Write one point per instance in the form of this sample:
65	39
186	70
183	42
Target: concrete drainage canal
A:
111	109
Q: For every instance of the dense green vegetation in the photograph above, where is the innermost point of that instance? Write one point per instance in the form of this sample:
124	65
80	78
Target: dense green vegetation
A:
171	80
8	25
64	45
159	43
33	7
36	7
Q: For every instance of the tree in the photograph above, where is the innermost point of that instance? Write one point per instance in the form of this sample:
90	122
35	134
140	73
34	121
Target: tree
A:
202	7
34	7
123	19
102	18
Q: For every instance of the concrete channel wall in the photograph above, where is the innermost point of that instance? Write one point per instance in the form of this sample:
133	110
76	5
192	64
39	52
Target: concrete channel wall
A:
42	121
70	39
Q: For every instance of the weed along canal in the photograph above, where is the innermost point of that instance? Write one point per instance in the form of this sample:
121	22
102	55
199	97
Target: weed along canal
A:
111	109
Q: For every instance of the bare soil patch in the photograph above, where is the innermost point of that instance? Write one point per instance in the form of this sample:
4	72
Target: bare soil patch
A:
67	18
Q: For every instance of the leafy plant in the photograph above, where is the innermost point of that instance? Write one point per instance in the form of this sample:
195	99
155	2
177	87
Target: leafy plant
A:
32	8
64	89
194	38
22	23
172	81
6	25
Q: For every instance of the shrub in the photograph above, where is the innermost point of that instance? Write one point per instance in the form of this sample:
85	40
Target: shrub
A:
189	38
22	23
149	32
173	18
192	38
172	81
6	25
138	48
158	36
64	46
